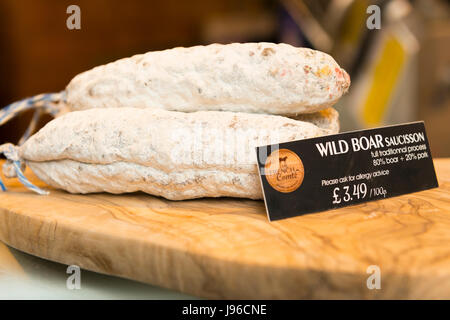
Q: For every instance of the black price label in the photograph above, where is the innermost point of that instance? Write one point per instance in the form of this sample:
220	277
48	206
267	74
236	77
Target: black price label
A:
329	172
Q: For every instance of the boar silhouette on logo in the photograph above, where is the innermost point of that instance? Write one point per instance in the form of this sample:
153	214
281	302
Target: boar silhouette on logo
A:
284	170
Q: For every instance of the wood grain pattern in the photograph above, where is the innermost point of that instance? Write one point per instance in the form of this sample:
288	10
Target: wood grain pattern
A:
226	248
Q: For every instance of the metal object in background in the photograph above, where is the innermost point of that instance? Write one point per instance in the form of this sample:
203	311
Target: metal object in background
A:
387	79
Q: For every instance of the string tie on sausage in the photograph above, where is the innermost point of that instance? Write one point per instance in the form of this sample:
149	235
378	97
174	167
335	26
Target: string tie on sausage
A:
14	167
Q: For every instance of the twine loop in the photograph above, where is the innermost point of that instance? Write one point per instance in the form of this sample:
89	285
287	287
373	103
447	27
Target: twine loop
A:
51	103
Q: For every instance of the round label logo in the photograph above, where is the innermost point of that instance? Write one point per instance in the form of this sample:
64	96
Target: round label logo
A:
284	170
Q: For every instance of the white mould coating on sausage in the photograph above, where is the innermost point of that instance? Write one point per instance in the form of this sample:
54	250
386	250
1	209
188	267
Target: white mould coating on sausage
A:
248	77
171	154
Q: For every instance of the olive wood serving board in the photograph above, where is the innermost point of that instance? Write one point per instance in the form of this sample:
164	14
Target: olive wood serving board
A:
226	248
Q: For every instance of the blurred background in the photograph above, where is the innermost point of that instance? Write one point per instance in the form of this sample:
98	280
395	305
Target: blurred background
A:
400	72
